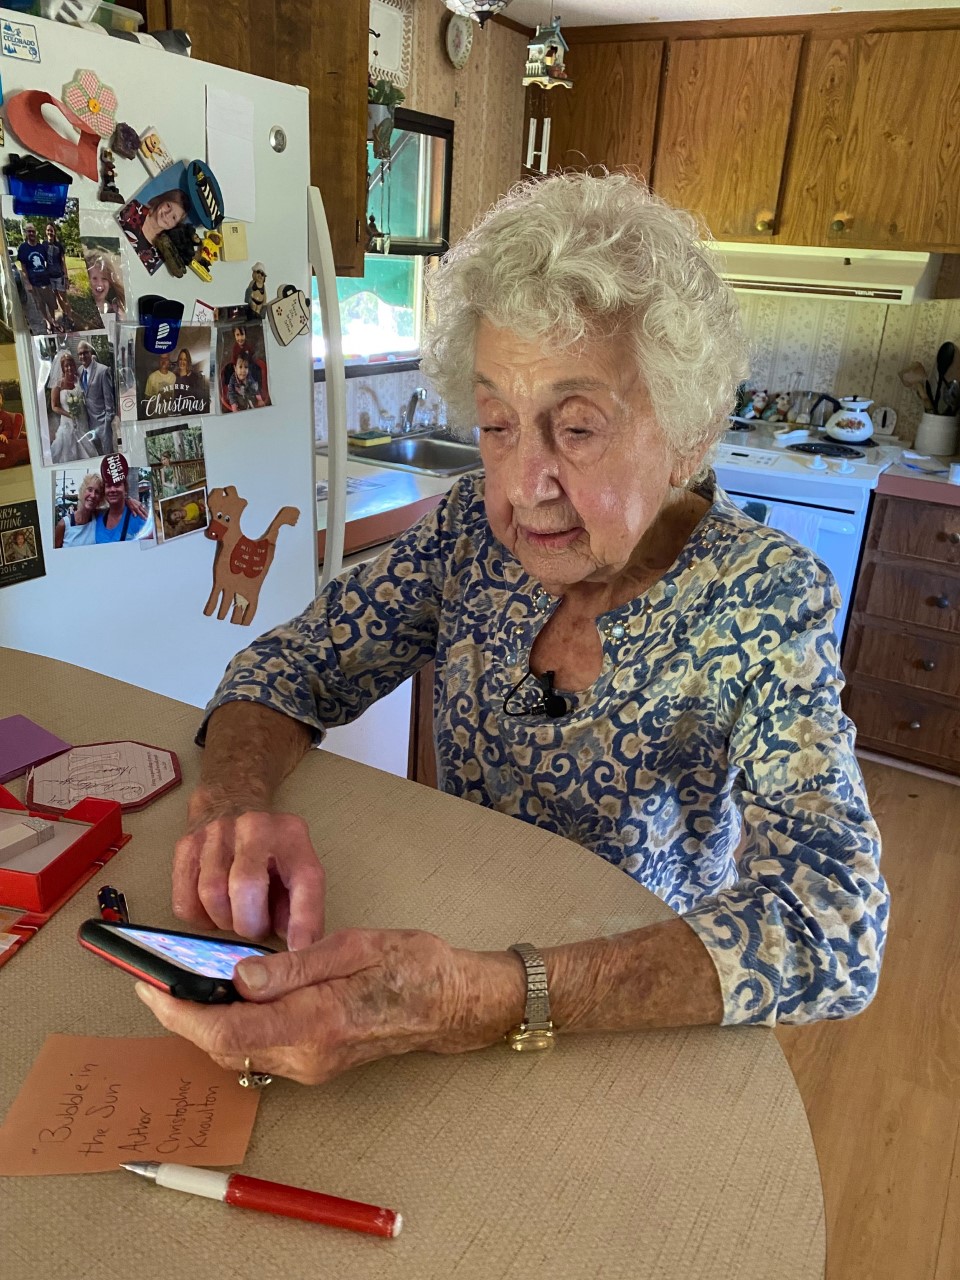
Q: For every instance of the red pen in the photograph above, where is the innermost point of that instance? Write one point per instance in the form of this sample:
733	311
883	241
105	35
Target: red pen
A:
271	1197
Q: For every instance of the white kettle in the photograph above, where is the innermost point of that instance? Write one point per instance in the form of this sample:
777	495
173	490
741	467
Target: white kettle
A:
851	424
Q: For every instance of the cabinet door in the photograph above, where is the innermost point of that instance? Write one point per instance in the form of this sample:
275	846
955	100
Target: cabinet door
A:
876	161
608	117
723	135
322	46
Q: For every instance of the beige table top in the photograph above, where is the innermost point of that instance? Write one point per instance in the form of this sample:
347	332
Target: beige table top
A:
676	1154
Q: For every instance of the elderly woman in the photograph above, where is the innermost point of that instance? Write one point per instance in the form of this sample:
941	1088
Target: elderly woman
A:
78	527
622	656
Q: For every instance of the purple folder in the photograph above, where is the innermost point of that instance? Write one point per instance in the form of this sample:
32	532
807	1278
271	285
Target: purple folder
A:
23	744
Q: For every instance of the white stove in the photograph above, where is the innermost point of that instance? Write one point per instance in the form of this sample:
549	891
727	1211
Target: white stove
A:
822	502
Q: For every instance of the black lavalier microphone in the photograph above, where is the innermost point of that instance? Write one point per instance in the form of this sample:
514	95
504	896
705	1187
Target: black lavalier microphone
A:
550	703
553	703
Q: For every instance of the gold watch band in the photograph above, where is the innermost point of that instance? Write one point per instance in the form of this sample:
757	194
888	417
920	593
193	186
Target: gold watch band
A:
537	1030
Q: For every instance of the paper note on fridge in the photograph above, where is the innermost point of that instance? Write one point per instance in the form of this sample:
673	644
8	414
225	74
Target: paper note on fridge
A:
90	1102
230	151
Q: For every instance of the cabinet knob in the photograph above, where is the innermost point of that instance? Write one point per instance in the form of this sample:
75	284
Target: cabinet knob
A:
942	602
838	225
928	664
764	224
953	537
914	724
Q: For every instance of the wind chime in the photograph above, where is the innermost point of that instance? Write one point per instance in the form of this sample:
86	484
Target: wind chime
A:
383	97
545	67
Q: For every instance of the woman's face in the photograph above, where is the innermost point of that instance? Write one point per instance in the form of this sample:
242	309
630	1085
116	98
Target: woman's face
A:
91	497
69	370
116	494
168	214
184	363
577	467
99	284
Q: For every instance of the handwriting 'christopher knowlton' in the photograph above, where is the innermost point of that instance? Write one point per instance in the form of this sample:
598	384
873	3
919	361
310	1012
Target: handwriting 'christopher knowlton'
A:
90	1102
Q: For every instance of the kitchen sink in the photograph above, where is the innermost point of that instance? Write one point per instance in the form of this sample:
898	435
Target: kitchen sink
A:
431	454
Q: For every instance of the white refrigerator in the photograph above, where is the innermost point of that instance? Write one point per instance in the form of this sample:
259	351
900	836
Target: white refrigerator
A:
135	610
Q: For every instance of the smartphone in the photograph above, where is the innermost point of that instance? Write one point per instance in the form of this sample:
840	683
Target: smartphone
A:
188	965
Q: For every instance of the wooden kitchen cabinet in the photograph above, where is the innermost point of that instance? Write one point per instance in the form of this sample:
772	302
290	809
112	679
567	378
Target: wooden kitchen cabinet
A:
725	120
322	45
609	115
902	656
876	159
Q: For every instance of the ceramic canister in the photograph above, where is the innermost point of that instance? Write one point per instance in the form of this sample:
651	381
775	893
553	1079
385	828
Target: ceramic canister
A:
936	435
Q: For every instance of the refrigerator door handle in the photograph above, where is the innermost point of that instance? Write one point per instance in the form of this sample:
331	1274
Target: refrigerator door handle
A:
321	262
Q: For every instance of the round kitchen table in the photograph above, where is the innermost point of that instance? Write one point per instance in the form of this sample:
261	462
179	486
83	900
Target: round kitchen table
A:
671	1154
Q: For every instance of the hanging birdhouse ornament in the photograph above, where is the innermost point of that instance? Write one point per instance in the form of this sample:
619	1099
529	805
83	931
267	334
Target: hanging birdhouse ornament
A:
546	54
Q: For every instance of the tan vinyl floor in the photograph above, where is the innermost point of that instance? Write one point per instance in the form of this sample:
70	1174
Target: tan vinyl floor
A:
883	1090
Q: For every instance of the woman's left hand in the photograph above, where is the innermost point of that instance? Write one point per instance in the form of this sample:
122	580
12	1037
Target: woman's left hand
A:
358	995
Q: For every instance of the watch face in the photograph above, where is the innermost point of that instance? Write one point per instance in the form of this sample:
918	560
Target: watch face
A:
459	40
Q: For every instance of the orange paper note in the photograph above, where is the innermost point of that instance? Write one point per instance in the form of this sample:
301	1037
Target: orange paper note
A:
92	1102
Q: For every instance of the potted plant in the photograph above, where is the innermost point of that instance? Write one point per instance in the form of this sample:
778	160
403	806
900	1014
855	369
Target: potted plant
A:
382	98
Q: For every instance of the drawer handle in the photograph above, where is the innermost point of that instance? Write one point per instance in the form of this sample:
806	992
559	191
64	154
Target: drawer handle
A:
928	664
953	537
914	724
942	602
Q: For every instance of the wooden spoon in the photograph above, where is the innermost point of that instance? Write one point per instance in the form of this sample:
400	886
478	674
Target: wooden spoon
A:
914	377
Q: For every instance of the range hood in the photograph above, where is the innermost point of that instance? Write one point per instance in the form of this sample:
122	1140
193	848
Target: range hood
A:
870	275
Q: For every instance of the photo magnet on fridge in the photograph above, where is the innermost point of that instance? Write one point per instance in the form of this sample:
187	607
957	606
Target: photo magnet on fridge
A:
178	474
93	506
77	397
52	277
14	446
173	384
21	549
242	367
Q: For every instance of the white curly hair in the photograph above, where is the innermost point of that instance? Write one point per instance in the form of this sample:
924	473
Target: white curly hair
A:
580	256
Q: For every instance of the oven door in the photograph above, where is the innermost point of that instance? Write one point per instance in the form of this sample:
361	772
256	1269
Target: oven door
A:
833	536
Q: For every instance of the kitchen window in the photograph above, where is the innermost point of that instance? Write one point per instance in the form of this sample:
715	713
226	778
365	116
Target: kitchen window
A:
381	315
408	208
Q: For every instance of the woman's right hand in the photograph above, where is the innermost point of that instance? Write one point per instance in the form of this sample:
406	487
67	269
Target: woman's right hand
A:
252	871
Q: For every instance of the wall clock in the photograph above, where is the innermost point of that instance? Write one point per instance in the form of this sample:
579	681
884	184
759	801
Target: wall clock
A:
459	40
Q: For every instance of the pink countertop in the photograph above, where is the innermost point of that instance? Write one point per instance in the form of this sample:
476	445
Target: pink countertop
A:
903	482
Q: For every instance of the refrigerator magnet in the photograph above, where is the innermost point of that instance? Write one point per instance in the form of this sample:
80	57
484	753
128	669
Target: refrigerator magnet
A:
289	314
92	103
153	153
27	123
242	367
240	564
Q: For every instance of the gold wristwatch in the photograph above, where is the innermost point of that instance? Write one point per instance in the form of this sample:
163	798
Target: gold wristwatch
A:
536	1031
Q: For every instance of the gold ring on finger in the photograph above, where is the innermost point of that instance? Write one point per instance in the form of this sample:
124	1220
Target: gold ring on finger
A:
251	1079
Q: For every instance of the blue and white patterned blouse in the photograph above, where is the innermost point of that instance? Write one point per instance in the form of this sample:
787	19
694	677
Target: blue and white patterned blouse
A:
710	760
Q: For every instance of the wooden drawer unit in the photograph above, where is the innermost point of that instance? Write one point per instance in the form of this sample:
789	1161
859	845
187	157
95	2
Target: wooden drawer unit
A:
909	593
911	726
929	533
922	662
902	656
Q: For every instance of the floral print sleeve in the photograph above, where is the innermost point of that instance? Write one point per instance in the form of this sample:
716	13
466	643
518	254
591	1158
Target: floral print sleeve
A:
710	760
800	935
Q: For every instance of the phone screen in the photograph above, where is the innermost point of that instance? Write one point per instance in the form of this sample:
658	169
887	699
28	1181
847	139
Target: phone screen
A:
205	956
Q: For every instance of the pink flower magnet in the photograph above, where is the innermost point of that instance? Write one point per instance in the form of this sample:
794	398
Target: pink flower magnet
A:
92	102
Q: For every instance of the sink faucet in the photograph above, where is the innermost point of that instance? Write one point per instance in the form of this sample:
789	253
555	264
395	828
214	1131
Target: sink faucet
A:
410	412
